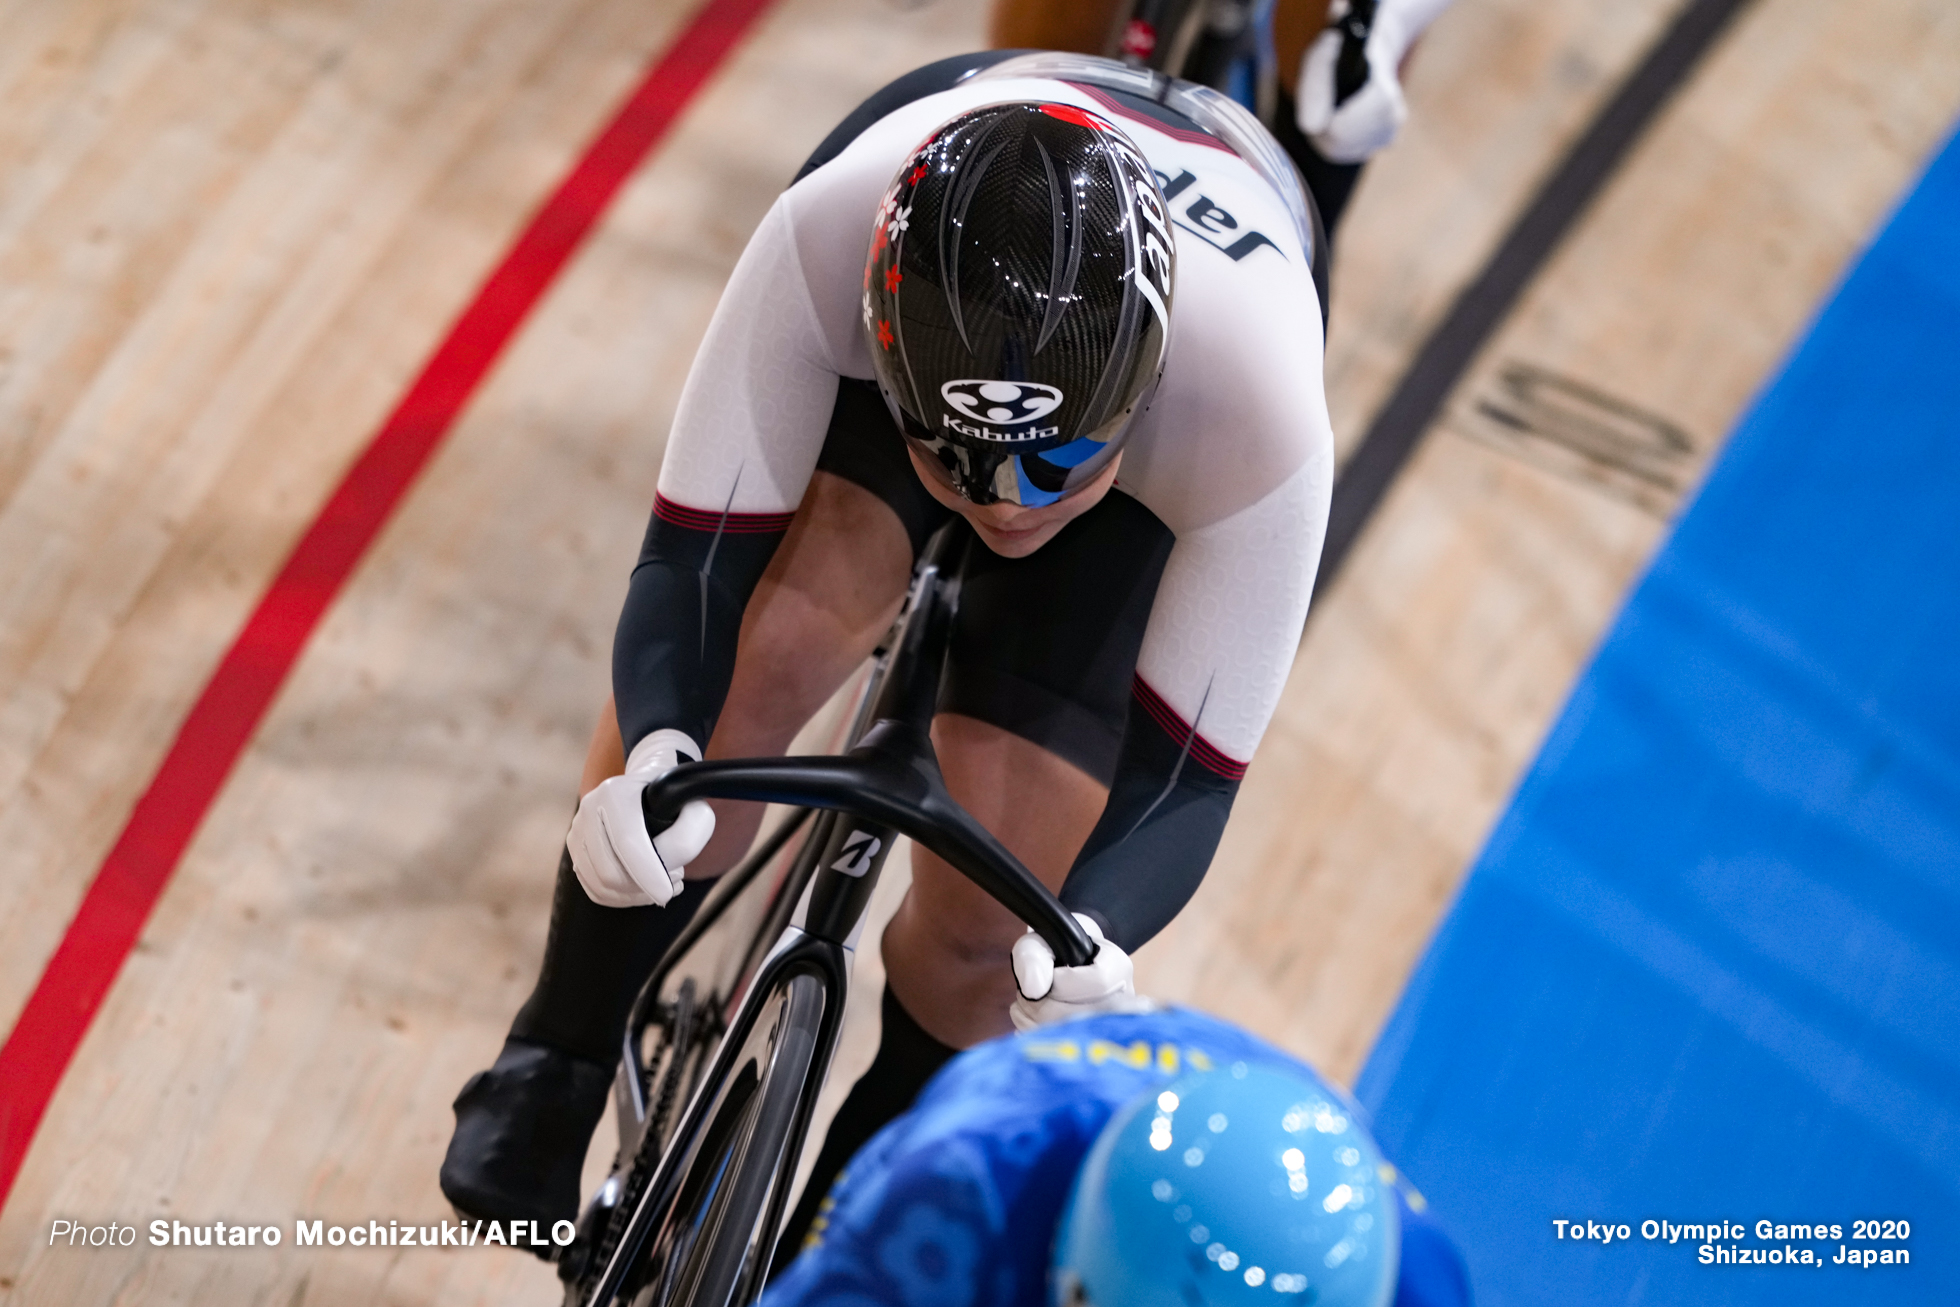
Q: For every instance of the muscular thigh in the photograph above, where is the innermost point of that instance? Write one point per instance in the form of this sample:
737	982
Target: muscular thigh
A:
1039	805
1037	687
1045	647
1032	714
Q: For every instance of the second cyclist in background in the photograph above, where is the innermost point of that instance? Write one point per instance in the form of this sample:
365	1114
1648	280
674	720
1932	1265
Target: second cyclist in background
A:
1325	79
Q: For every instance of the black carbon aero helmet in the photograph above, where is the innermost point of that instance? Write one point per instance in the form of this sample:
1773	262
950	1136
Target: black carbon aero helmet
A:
1017	298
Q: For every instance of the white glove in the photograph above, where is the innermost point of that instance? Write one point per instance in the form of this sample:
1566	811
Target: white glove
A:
1050	993
619	865
1368	119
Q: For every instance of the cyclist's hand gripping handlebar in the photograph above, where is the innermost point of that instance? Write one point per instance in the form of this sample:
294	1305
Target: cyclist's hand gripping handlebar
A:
621	860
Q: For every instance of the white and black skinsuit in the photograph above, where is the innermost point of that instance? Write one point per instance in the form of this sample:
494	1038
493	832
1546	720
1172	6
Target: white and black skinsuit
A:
1224	483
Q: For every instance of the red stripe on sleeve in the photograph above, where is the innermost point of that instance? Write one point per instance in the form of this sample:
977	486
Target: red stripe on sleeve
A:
718	520
1208	755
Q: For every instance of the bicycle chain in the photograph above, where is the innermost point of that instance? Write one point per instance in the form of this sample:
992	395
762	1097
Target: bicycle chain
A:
653	1140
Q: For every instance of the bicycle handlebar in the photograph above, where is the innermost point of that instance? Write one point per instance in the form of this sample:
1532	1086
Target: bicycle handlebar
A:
886	779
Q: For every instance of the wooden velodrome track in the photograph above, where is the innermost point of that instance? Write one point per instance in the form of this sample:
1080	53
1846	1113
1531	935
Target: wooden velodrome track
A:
231	232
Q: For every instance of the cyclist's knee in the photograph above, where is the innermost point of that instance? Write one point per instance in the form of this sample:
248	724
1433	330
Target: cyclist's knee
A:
953	920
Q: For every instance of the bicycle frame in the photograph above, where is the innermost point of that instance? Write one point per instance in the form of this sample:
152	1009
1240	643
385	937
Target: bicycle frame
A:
888	783
1224	44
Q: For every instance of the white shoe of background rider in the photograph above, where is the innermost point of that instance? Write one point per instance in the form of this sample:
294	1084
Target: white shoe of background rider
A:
1367	120
1049	993
617	862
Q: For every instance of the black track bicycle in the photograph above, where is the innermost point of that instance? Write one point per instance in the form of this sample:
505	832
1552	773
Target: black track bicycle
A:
725	1056
1228	46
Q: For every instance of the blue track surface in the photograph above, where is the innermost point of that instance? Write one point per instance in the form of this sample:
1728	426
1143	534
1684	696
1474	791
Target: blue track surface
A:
1708	967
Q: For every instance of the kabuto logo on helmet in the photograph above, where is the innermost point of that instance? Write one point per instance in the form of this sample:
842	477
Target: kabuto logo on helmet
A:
1001	403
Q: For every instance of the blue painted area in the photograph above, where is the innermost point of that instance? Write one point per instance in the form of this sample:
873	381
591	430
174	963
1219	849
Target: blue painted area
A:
1708	967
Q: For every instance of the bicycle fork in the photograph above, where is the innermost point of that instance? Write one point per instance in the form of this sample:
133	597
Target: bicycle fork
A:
820	941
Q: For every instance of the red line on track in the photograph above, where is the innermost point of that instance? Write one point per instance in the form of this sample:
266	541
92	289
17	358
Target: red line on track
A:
225	716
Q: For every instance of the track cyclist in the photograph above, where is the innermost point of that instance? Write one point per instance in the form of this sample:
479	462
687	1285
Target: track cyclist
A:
1325	78
1073	304
1158	1160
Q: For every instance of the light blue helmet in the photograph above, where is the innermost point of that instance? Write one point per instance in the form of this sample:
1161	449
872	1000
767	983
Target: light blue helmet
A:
1239	1186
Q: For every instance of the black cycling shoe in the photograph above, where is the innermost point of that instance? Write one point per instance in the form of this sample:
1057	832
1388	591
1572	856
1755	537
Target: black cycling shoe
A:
522	1129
